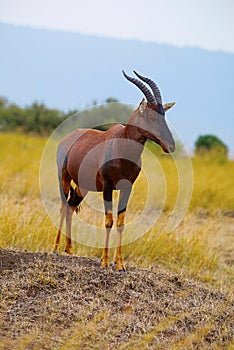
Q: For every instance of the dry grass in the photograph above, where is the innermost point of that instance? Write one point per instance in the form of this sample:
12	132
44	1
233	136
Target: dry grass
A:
66	303
50	302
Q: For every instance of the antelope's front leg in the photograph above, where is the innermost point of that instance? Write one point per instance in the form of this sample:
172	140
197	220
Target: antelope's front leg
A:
107	195
123	201
108	225
118	254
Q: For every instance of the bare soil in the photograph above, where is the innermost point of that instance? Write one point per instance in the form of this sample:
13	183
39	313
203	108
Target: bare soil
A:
63	302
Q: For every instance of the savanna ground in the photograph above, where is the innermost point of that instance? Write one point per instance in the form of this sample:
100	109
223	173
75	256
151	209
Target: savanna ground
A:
177	292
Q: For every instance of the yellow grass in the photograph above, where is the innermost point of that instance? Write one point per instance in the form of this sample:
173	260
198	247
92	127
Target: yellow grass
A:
200	247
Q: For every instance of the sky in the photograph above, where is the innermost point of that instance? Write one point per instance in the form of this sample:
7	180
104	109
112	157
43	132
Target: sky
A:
206	24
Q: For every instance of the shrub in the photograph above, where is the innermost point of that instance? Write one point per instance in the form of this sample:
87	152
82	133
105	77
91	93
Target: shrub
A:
211	146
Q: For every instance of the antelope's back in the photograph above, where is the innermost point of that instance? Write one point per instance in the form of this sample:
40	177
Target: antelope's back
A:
82	154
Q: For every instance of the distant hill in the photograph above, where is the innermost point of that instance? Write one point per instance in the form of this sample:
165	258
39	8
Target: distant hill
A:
69	70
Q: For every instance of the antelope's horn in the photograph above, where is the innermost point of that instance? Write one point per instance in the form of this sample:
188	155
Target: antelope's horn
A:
153	86
150	98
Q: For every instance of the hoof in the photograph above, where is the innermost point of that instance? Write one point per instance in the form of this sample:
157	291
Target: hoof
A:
122	270
104	264
55	253
68	251
104	268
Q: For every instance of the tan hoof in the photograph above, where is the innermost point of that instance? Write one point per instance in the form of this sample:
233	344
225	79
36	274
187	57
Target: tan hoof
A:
119	265
68	251
105	264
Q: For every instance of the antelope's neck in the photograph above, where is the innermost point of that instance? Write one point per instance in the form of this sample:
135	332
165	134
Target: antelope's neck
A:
133	132
135	141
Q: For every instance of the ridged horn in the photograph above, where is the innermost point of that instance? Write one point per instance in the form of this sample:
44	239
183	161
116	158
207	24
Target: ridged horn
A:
153	86
149	96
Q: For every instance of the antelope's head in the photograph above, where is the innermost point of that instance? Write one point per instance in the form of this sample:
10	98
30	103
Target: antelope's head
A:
150	114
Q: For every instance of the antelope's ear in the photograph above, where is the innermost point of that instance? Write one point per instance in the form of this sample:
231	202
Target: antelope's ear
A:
167	106
142	106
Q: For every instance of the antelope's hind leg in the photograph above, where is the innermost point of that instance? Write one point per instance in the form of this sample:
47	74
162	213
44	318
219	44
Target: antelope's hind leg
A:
67	208
64	187
73	205
63	211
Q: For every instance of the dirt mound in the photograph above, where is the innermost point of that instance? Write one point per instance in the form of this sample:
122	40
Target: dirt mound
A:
50	302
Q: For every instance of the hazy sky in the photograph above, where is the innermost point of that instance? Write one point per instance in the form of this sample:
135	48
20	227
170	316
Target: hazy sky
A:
201	23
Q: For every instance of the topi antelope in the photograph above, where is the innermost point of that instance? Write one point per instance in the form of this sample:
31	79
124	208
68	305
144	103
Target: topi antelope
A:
111	160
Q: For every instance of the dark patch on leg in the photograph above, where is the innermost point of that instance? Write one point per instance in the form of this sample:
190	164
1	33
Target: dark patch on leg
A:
121	211
74	200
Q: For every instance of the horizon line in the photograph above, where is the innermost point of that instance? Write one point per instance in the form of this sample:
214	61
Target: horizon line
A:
113	37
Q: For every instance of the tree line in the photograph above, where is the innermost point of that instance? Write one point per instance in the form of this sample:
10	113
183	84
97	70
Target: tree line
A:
39	119
36	118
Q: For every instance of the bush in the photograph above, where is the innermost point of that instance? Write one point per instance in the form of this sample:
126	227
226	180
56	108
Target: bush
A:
211	146
36	118
39	119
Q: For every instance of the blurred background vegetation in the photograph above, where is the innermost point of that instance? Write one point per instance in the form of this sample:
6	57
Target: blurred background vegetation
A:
40	120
